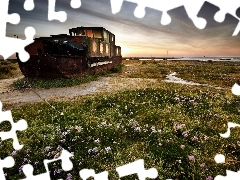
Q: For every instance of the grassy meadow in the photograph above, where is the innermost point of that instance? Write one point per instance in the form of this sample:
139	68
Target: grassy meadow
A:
47	83
222	73
9	69
173	127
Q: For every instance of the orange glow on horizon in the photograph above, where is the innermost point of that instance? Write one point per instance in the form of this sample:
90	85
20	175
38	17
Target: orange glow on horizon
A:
128	51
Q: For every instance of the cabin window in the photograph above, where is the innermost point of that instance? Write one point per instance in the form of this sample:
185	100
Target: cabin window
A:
106	36
97	34
94	47
101	48
107	49
89	33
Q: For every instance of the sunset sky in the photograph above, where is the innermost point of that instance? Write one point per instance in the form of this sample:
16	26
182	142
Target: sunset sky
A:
137	37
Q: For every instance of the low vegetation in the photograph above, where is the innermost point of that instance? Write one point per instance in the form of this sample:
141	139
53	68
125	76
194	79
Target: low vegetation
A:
8	69
51	83
60	82
221	74
175	128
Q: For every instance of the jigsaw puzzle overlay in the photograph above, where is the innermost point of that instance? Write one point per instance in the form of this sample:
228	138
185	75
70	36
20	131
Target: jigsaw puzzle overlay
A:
6	43
9	162
7	49
219	158
67	165
65	162
21	125
192	8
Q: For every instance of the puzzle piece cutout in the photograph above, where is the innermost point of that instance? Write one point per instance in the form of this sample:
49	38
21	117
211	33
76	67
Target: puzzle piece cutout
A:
192	8
75	4
137	167
230	125
220	158
87	173
9	45
29	5
52	14
163	6
230	175
227	7
18	126
6	43
8	162
66	163
60	15
236	89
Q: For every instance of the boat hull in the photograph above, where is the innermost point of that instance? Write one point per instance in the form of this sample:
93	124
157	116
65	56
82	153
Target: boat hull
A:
61	66
70	56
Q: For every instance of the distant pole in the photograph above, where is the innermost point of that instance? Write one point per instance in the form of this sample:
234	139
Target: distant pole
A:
167	53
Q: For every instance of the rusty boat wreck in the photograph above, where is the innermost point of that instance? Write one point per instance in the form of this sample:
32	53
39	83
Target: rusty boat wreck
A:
85	51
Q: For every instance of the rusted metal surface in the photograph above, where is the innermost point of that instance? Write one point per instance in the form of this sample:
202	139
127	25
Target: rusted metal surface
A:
49	66
72	56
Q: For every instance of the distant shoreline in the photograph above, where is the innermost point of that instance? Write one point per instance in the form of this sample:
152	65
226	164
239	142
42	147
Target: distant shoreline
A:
233	59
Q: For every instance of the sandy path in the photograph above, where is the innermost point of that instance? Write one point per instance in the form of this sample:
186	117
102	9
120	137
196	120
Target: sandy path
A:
103	84
5	84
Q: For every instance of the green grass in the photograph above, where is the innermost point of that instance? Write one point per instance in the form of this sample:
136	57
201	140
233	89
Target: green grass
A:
51	83
174	128
60	82
8	69
222	74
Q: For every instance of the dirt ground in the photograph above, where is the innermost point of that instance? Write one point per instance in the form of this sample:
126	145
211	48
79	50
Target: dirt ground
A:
104	84
110	84
5	84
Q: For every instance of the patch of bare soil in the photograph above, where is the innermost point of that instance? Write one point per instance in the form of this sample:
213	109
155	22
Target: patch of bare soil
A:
112	84
5	84
103	85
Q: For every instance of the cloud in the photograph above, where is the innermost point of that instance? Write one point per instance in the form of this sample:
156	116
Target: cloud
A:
139	34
